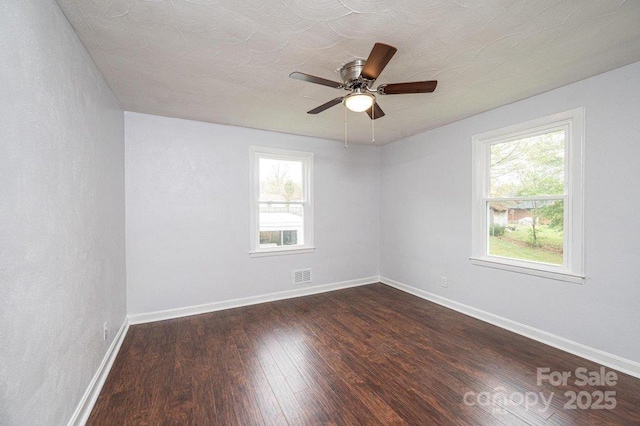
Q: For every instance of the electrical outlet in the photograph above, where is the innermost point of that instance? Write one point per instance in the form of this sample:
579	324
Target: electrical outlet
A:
105	331
444	282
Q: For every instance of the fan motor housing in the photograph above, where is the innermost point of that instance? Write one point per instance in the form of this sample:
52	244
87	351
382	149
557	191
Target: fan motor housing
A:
350	73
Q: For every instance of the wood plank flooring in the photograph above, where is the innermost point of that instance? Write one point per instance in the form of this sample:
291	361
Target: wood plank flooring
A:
366	355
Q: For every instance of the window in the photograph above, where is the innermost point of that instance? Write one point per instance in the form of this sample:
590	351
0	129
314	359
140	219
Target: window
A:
281	201
527	197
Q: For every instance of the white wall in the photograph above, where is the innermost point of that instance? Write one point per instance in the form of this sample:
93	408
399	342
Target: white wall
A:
187	195
426	224
62	263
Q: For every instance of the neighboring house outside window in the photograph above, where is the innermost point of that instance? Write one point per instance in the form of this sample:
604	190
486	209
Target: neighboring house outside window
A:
527	197
281	201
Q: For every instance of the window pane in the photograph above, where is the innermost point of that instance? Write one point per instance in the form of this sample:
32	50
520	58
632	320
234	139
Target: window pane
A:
527	230
528	167
281	224
280	180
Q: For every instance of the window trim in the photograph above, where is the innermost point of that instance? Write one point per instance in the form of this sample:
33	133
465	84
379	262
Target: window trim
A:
573	268
257	152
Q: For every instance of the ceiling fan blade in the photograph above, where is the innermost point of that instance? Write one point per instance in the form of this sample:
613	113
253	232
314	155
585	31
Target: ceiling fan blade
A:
379	57
414	87
317	80
378	113
327	105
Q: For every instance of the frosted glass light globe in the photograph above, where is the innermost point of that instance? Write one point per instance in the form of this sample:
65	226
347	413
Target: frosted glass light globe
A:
358	102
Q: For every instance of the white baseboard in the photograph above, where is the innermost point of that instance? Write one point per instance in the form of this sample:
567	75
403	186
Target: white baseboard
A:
245	301
604	358
81	415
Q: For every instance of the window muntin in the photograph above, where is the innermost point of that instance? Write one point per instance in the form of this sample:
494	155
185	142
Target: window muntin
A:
527	207
281	213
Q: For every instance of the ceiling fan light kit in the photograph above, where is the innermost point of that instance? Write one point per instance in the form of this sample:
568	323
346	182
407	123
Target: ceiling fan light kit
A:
358	101
358	76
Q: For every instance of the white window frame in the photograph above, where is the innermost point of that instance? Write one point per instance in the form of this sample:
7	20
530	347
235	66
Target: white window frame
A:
572	269
256	153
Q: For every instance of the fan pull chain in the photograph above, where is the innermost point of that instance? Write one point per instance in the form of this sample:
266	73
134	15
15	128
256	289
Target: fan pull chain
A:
345	128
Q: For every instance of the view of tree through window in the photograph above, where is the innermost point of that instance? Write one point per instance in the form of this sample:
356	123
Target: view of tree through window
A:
281	210
525	209
280	180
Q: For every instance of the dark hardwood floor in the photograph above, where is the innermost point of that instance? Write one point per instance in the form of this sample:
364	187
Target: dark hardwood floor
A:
366	355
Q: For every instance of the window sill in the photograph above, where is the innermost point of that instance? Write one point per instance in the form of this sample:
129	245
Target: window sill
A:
539	272
282	252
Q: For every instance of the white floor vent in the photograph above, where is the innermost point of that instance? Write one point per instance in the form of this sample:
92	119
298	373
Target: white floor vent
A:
302	276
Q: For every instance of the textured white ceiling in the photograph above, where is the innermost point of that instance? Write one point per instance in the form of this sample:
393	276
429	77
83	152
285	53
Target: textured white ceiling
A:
228	61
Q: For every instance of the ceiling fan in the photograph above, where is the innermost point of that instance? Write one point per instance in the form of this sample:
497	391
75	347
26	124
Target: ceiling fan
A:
358	76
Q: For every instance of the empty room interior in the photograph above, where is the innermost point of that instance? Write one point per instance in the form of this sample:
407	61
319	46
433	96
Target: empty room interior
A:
334	212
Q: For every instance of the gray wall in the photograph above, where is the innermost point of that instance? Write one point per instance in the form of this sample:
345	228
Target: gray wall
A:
426	223
62	261
188	214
